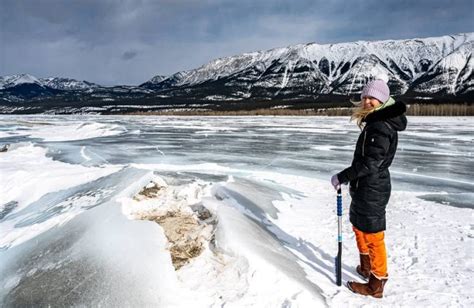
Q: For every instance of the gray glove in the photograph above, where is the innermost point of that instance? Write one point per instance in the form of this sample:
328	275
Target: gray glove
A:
335	182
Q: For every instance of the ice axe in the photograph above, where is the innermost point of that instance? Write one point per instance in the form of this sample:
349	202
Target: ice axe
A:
339	238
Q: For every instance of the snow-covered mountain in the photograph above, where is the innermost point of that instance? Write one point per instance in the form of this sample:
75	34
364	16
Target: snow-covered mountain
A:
440	65
437	69
24	87
57	83
155	80
15	80
67	83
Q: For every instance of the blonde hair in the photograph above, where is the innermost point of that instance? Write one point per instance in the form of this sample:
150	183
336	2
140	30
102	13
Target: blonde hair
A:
360	113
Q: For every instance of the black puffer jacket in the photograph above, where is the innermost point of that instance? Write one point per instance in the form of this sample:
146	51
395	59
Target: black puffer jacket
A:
368	175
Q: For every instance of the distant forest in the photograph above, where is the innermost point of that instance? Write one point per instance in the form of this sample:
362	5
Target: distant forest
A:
413	110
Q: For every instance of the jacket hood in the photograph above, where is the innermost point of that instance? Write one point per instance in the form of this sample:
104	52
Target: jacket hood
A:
392	114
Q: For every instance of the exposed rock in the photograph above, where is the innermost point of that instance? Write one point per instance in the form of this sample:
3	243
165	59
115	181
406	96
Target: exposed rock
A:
183	234
187	235
189	229
150	191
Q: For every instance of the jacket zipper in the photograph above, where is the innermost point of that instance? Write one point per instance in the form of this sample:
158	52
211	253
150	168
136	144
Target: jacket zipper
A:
363	153
363	144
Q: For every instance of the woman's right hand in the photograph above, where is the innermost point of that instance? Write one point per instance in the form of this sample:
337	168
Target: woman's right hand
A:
335	182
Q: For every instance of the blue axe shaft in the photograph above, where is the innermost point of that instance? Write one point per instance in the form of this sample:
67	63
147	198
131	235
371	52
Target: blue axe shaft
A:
339	239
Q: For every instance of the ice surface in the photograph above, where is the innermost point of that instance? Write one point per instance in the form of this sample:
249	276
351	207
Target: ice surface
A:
27	174
79	131
100	258
70	231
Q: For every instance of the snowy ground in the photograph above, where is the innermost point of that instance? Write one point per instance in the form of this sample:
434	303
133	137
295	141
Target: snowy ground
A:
75	229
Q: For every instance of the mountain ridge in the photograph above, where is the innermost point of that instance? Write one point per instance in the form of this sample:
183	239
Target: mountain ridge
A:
401	67
426	69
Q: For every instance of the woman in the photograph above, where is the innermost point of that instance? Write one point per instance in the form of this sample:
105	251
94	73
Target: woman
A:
380	117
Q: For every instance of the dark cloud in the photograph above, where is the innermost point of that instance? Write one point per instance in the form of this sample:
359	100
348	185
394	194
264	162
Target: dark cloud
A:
90	39
129	55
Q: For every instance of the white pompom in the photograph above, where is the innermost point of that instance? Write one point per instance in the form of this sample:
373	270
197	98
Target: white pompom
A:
383	77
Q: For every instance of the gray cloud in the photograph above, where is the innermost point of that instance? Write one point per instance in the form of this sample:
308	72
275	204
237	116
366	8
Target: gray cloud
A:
129	55
129	41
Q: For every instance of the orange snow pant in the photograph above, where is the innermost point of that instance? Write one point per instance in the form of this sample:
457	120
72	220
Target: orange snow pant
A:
373	244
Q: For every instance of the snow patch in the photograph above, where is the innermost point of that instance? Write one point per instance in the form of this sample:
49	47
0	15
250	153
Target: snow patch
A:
76	131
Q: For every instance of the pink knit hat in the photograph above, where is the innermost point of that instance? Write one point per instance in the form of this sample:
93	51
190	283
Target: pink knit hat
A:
377	89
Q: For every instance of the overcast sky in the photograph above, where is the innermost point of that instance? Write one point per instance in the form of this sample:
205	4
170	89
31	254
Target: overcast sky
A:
130	41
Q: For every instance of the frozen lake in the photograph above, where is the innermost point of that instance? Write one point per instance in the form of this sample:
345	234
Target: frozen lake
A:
68	234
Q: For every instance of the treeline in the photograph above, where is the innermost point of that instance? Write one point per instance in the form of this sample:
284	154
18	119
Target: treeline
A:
413	110
452	110
441	110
